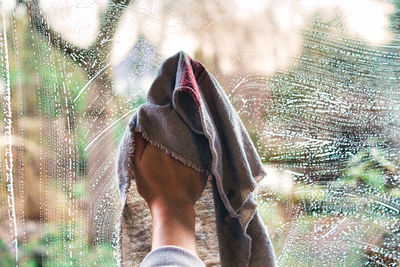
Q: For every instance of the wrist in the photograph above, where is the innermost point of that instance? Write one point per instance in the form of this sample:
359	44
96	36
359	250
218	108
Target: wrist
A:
173	225
180	215
170	206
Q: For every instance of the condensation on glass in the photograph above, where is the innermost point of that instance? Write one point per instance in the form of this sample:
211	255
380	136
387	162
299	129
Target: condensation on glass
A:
316	83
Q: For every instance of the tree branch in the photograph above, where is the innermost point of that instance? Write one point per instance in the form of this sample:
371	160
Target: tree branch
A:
38	22
96	56
108	25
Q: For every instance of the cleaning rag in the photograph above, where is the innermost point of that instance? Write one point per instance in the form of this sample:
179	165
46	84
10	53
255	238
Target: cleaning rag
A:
188	115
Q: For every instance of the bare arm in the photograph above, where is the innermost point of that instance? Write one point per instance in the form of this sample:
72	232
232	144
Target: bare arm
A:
170	190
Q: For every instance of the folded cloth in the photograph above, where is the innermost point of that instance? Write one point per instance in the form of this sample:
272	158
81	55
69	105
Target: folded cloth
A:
188	115
171	256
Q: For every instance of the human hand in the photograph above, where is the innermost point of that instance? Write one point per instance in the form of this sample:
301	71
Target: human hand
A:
170	190
161	179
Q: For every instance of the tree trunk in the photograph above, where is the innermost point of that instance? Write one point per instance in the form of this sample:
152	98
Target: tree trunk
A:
103	196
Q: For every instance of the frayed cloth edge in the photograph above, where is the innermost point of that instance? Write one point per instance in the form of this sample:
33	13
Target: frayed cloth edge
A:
130	177
171	153
131	152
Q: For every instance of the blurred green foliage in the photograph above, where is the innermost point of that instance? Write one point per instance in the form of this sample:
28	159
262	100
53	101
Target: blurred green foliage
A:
370	167
60	246
6	259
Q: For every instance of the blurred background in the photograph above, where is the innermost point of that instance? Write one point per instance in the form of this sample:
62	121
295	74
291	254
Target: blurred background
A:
316	83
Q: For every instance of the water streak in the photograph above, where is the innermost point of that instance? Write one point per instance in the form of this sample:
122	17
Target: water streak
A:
8	153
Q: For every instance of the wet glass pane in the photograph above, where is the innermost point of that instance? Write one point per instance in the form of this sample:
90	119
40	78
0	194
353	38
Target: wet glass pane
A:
316	83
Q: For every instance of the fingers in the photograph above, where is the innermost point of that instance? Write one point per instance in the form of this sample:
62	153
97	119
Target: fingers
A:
140	144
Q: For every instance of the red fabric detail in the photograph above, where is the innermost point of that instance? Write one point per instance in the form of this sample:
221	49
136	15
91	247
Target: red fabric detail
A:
190	75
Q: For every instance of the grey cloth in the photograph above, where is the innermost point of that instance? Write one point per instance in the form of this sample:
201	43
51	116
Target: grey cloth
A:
171	256
188	115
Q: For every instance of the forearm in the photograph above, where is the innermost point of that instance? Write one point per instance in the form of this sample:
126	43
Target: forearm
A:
173	225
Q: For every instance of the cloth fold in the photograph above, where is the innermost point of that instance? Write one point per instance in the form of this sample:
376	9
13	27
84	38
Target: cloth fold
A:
171	256
188	115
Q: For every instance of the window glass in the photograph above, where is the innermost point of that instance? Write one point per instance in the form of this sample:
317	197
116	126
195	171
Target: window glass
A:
316	83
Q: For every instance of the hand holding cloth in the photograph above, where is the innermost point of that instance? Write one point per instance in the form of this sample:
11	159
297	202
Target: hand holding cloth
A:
188	115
